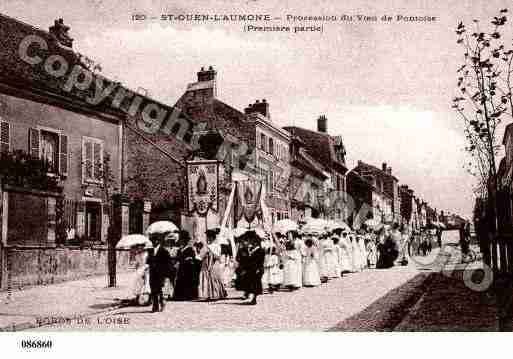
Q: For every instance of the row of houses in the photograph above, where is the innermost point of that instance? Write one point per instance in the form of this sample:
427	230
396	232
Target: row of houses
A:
82	161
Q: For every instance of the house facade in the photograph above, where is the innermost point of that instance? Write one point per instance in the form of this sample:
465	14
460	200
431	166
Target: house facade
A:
330	152
383	200
74	144
308	186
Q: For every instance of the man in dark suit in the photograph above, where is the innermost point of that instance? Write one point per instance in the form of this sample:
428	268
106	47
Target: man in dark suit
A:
160	269
255	268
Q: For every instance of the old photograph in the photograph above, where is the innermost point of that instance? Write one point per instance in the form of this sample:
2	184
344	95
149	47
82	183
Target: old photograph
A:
256	166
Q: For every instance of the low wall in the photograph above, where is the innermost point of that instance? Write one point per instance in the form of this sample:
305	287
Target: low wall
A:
25	266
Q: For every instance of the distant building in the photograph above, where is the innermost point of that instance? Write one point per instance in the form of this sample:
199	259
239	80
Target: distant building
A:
329	151
386	189
363	195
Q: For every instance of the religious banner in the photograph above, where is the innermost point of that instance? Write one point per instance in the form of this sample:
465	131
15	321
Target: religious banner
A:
202	185
247	200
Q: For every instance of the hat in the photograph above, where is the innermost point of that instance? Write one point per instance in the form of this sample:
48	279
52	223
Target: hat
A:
213	231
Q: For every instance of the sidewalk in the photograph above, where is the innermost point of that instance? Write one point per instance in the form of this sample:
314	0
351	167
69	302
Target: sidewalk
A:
449	305
40	305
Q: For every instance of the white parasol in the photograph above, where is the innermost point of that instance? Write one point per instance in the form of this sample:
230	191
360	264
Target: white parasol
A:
161	227
285	225
315	226
132	240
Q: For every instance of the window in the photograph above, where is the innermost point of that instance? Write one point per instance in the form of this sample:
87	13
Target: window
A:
263	142
52	146
92	160
270	188
50	150
271	146
5	136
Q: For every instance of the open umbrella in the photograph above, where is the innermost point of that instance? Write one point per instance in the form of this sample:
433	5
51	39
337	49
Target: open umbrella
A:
285	225
315	226
132	240
333	225
161	227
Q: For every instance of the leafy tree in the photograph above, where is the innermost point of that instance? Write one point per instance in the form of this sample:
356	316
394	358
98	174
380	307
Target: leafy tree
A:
485	95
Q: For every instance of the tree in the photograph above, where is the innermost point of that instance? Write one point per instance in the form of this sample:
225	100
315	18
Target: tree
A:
485	97
109	189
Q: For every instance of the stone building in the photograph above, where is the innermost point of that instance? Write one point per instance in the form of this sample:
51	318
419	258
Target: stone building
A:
307	183
383	194
329	151
407	196
45	119
249	146
363	194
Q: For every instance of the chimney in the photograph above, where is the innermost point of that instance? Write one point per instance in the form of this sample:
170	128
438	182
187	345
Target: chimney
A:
60	33
384	167
207	75
259	107
322	124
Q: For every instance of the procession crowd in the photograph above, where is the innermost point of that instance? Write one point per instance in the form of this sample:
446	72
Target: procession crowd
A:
178	267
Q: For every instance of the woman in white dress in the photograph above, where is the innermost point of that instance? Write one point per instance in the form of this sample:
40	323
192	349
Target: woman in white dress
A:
363	252
328	258
356	254
266	278
276	274
346	260
311	277
338	256
292	267
141	281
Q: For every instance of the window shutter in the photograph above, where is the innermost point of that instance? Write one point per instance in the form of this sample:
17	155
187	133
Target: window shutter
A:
87	159
4	136
63	155
34	142
97	160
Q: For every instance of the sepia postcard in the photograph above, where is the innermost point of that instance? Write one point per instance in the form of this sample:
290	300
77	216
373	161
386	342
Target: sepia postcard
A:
255	166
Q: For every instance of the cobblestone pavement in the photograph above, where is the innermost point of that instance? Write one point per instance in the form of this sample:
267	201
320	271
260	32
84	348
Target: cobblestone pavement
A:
319	308
32	306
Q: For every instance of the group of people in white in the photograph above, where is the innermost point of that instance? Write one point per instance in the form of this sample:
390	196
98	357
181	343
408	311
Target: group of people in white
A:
256	261
296	260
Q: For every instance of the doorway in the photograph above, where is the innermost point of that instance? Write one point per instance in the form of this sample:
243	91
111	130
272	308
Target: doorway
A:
93	221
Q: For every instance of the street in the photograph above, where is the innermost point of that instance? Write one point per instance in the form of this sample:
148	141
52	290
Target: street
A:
341	304
319	308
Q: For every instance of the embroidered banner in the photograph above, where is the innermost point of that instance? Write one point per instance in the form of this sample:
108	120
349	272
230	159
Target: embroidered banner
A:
203	184
247	200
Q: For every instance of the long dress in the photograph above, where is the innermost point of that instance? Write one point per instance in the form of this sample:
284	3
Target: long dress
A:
255	270
187	277
338	255
372	256
276	274
292	271
356	256
241	272
210	283
345	257
327	259
266	278
311	277
141	282
363	253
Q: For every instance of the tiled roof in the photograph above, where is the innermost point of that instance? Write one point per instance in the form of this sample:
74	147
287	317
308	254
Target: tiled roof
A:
201	107
303	159
18	73
320	146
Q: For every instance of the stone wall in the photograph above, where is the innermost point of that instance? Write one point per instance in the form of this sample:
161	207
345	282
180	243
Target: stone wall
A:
40	266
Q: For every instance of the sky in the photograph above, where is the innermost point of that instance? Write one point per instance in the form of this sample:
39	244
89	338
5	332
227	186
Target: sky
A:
386	88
